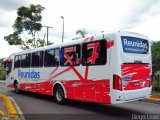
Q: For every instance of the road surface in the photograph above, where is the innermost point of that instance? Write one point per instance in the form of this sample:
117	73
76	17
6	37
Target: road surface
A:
41	107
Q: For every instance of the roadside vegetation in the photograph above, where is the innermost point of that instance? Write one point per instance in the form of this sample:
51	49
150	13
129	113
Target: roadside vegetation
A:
27	27
156	68
2	70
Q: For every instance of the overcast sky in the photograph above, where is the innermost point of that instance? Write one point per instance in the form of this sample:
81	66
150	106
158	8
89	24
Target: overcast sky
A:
141	16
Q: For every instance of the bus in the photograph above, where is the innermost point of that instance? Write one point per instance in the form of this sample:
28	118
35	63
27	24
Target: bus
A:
110	69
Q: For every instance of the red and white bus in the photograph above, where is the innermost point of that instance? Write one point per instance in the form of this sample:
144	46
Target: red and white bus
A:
110	68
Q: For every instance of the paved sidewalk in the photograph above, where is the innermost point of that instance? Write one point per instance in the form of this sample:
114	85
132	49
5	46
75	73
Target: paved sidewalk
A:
154	98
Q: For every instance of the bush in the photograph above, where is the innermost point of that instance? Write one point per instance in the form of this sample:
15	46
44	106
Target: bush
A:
155	85
2	74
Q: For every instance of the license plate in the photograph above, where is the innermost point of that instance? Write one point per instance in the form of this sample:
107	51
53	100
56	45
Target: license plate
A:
137	83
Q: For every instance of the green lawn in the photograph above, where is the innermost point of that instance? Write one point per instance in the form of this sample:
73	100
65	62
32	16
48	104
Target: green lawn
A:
156	93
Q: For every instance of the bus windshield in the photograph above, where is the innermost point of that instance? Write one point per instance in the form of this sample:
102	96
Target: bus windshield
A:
134	45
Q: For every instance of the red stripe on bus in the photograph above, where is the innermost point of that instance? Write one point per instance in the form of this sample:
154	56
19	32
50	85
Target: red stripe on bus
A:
69	68
53	71
110	44
77	73
92	38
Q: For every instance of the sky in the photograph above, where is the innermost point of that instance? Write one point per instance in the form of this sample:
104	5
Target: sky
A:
94	16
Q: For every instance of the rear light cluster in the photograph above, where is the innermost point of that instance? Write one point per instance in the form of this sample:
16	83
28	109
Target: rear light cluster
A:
148	83
117	82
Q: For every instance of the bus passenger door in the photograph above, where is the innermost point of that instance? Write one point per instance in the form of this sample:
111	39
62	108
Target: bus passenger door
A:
8	67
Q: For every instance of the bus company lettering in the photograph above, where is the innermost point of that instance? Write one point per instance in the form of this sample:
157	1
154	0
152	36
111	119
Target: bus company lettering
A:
28	74
135	45
138	44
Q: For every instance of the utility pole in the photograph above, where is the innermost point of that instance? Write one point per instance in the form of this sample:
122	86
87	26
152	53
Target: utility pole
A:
48	31
62	29
102	33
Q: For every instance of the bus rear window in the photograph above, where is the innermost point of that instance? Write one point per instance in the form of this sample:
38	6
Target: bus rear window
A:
134	45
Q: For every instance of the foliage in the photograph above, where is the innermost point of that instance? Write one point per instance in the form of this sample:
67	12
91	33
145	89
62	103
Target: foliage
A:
2	71
2	74
1	60
28	22
155	93
41	43
13	39
155	48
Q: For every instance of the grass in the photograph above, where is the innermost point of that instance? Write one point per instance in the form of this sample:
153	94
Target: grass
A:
154	83
2	74
156	93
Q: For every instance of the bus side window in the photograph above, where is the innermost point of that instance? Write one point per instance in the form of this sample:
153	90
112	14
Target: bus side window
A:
26	60
94	53
56	56
17	61
70	56
51	57
37	59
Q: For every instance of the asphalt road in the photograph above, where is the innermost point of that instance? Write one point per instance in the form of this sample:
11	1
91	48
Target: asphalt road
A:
41	107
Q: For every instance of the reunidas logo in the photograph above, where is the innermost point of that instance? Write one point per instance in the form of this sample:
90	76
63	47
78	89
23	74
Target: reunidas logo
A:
135	45
28	74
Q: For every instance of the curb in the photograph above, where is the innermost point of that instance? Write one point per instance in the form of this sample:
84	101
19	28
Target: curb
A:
154	98
21	116
11	109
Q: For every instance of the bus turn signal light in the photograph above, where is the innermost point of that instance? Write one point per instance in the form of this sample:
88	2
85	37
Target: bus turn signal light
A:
117	82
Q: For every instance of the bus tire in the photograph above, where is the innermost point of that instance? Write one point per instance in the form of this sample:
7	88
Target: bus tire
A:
16	87
59	95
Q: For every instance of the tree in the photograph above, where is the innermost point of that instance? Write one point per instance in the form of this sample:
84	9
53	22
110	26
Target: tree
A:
2	70
13	39
28	21
155	48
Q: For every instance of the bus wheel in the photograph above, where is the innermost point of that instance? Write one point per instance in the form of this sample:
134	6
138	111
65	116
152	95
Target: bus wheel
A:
59	95
16	87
